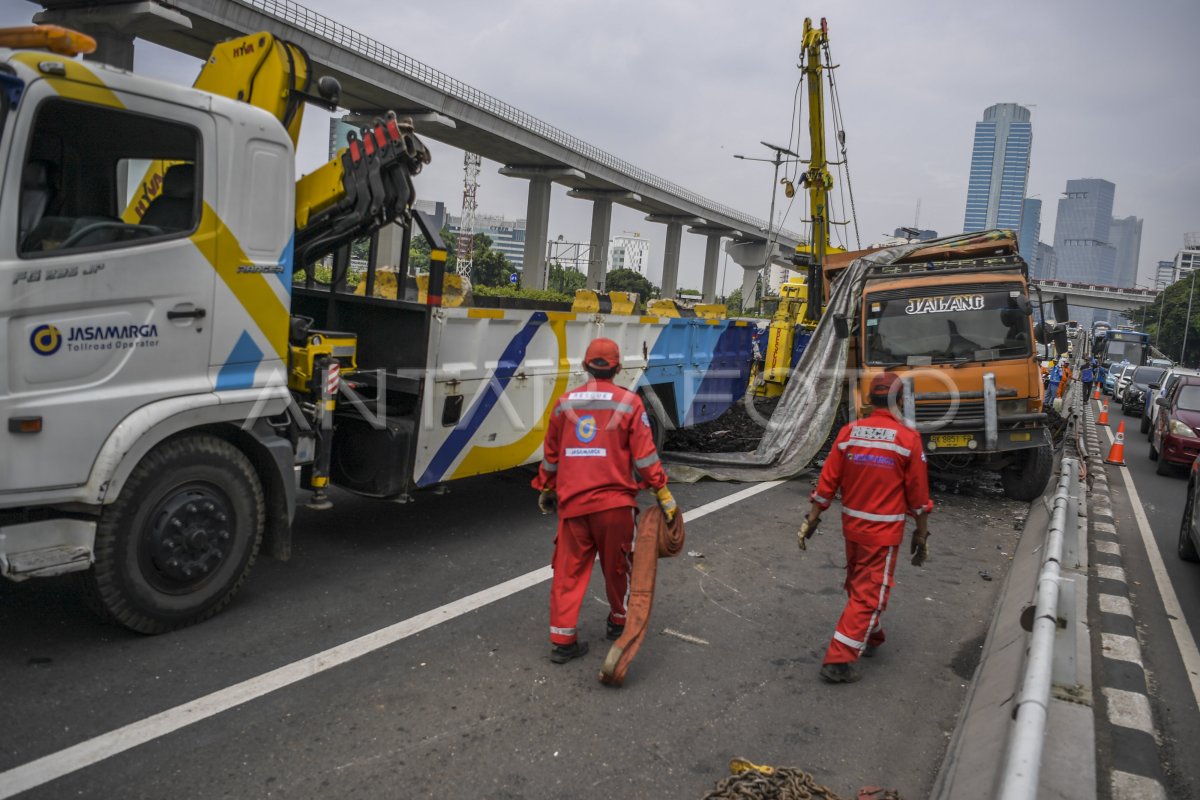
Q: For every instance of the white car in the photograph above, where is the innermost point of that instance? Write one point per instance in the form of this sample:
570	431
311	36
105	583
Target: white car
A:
1168	380
1122	382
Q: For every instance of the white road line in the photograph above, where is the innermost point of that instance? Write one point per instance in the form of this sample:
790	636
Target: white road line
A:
1112	548
1115	604
1183	635
1121	648
1127	786
56	765
1109	572
1129	710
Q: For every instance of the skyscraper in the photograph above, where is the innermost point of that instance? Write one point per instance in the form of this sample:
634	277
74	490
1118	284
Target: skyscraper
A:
999	168
1082	248
1126	235
1031	231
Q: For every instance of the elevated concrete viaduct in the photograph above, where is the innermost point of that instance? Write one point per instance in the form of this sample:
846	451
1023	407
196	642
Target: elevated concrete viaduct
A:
375	77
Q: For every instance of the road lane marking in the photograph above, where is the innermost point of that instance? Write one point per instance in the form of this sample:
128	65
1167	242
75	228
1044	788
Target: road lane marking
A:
1115	604
1121	648
1129	710
56	765
1109	572
1184	641
1112	548
1127	785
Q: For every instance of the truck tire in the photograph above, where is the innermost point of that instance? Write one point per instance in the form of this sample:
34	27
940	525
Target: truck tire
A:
656	414
1145	426
1027	479
181	537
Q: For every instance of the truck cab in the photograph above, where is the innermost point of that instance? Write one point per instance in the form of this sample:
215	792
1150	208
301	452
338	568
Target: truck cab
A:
958	329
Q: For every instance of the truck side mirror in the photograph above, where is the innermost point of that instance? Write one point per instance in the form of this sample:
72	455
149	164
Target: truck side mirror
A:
1061	311
1041	333
1061	343
841	326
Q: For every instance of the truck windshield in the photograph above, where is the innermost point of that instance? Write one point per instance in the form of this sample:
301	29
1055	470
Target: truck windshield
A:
975	325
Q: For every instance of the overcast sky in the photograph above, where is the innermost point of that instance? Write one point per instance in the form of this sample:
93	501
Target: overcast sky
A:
678	88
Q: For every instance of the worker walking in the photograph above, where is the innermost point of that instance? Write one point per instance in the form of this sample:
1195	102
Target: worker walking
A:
879	466
1086	375
599	451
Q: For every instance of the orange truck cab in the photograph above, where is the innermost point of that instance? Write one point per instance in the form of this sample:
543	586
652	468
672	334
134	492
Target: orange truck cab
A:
955	321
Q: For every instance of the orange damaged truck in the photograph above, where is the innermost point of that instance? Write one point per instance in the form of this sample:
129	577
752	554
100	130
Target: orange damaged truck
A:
955	320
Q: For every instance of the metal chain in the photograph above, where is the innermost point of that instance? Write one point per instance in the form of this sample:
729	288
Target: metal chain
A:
784	783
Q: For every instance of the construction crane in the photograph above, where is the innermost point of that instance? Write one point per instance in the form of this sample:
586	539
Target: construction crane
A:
466	225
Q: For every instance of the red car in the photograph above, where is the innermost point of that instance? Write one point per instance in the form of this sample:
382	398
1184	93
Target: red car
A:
1176	438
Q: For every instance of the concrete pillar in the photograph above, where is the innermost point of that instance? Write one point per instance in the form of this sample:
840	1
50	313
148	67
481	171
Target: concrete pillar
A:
670	273
537	216
752	257
602	202
113	48
712	255
601	233
674	223
537	228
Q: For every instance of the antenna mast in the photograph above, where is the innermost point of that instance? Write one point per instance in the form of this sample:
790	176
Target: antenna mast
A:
466	225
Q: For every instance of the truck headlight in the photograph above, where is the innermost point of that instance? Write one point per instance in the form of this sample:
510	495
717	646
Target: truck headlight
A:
1180	429
1009	407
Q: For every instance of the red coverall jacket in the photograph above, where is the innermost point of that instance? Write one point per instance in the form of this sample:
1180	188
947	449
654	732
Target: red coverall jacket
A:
879	465
599	434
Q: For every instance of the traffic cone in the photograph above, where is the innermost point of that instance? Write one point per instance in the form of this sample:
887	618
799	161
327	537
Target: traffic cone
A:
1116	454
1104	415
1096	394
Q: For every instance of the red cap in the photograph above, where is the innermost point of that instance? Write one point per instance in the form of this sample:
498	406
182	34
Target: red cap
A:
603	354
882	383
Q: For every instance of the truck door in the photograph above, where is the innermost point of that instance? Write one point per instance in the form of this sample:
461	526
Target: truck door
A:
105	294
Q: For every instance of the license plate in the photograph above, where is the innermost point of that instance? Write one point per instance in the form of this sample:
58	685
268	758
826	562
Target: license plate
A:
951	439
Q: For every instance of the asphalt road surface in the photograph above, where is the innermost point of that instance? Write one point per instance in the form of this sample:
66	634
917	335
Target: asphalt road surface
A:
465	703
1174	681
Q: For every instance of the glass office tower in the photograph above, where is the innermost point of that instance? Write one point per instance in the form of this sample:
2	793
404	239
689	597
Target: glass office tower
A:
999	169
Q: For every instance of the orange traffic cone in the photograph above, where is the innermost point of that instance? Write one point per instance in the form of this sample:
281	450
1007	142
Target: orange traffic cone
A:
1096	394
1104	415
1116	454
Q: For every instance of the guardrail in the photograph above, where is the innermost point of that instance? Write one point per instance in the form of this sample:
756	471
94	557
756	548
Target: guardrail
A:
1023	762
335	33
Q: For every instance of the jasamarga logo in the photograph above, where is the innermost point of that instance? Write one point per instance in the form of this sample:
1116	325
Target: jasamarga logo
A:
111	337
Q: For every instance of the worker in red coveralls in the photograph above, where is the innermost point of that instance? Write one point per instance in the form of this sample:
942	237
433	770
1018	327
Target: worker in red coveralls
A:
879	465
599	451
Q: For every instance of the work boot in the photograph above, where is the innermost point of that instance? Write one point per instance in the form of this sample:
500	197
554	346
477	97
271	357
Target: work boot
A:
562	653
870	650
841	673
614	631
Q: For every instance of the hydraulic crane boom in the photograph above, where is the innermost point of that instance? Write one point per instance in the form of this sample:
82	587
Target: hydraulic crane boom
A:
366	185
817	177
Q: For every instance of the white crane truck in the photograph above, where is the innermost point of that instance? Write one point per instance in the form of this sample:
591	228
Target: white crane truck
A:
165	376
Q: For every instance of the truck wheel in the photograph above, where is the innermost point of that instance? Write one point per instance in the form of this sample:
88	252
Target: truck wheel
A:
1027	478
654	411
180	539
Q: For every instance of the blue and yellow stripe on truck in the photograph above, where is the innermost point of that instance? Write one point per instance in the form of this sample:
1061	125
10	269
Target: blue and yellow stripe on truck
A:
703	364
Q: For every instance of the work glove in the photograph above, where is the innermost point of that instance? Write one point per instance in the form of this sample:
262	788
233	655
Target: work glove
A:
547	501
667	503
808	529
919	548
